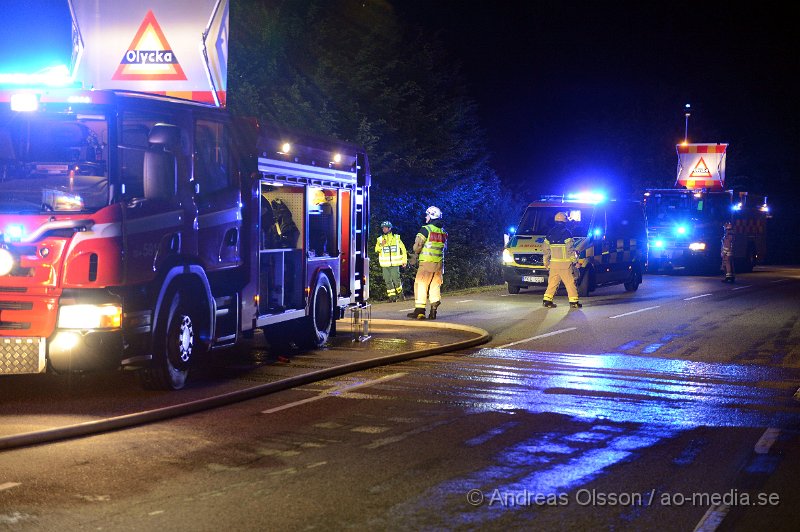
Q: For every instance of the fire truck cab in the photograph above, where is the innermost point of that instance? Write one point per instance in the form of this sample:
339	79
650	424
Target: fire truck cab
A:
144	231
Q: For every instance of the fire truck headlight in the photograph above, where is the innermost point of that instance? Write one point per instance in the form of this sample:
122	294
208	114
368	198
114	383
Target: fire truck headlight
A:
508	257
697	246
6	262
24	102
64	341
89	317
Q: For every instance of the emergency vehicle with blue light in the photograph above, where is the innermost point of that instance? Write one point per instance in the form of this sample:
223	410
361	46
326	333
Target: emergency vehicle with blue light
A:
144	231
609	235
685	223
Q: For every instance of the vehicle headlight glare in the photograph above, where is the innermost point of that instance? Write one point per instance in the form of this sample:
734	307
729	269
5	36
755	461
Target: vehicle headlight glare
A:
6	262
89	317
508	257
697	246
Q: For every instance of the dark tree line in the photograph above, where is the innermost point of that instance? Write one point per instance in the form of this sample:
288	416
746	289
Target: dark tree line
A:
349	69
354	70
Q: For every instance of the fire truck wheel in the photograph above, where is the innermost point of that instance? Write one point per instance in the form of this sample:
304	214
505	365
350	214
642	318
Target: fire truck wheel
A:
513	288
172	352
320	319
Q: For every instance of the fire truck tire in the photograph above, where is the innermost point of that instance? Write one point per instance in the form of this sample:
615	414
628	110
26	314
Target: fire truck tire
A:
513	288
319	321
174	345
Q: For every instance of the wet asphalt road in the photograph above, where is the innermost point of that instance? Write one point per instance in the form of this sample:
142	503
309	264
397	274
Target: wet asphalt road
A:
669	408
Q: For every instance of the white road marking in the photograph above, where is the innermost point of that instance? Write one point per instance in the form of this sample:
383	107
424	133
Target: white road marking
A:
779	280
766	440
465	301
745	286
633	312
333	392
695	297
545	335
712	519
504	295
406	309
716	513
9	485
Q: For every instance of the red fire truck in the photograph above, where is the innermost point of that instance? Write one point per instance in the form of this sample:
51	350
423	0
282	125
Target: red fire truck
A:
685	223
145	231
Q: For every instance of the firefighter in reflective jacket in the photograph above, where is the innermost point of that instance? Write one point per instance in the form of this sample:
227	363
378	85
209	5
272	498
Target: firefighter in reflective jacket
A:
559	258
430	245
391	255
726	253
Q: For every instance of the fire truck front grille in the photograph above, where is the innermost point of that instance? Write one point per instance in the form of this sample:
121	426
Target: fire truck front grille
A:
21	355
15	305
528	259
14	326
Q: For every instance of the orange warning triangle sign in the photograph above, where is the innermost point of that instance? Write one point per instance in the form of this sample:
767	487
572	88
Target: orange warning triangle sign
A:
149	57
701	170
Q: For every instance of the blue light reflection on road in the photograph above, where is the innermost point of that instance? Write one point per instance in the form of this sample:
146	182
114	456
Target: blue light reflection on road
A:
623	404
625	388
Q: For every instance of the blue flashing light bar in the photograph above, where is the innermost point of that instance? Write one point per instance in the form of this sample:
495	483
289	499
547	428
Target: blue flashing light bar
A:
588	197
14	232
57	76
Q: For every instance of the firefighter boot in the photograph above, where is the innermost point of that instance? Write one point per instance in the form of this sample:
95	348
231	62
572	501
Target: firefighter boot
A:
549	304
575	304
432	314
418	314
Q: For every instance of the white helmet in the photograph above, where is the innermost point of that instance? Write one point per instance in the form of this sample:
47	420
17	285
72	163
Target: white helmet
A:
434	212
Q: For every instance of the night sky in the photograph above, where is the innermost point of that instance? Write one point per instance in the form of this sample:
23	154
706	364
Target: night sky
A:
548	74
574	93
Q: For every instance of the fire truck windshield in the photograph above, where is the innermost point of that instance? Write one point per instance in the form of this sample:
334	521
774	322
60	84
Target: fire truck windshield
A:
53	162
666	208
539	220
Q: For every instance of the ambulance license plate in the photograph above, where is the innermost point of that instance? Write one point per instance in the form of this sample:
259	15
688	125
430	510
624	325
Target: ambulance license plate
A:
533	278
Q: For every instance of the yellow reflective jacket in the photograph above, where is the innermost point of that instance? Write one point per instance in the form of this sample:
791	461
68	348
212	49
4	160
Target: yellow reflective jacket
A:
559	246
435	243
391	250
